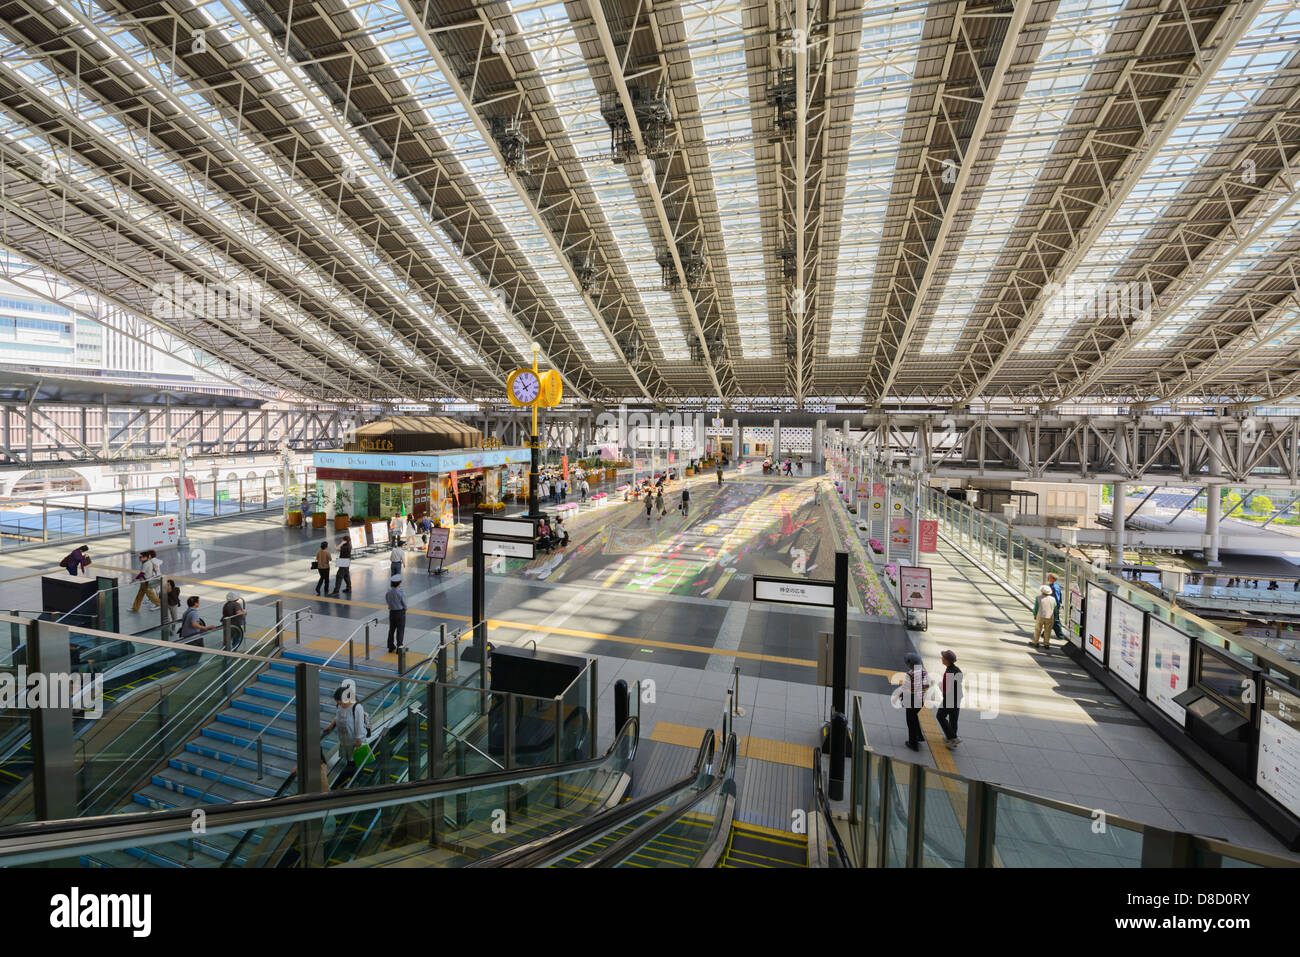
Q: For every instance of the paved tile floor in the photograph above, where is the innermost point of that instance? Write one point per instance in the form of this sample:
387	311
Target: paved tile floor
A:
1056	731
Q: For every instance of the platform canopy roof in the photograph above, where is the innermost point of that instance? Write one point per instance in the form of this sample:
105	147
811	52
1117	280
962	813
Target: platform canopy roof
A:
723	200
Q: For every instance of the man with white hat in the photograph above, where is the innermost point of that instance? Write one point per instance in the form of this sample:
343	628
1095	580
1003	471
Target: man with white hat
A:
233	609
396	600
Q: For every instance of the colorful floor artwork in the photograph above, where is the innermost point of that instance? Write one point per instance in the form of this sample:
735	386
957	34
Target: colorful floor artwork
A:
732	532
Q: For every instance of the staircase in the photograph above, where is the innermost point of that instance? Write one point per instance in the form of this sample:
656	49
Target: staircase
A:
219	763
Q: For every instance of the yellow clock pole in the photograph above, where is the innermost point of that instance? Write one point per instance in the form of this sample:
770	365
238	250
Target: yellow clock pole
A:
535	452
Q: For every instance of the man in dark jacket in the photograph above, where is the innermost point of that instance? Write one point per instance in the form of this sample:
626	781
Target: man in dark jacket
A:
947	712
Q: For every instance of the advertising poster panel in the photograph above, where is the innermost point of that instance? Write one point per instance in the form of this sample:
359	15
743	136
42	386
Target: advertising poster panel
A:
379	533
1169	668
438	539
1094	622
914	587
1074	630
928	536
1277	766
357	535
1124	654
900	531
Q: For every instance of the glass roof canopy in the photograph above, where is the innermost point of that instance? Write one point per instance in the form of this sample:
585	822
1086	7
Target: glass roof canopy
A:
891	40
717	46
1076	40
548	34
1232	92
380	313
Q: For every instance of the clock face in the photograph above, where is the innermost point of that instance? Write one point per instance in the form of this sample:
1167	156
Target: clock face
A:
525	387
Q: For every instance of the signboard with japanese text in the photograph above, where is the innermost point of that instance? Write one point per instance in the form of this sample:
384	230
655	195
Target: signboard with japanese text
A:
794	591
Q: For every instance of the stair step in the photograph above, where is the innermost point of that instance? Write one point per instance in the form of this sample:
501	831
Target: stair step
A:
281	728
245	746
240	756
228	775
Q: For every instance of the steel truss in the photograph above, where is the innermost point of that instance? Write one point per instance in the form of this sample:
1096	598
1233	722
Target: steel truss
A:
1187	450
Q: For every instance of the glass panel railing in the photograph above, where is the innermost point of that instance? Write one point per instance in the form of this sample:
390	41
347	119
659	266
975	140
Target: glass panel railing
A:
943	838
1034	833
430	825
683	841
898	790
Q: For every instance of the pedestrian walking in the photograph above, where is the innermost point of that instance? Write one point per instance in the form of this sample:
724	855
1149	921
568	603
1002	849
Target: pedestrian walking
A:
396	559
659	503
649	506
948	712
343	566
322	566
351	722
171	608
1056	618
1044	612
686	502
150	572
719	474
395	598
912	697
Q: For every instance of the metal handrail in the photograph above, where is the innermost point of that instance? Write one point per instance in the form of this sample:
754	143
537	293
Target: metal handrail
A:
346	642
172	720
469	744
629	844
823	807
542	850
34	839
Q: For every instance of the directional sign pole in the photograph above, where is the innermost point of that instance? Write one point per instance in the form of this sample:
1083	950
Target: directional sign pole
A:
839	675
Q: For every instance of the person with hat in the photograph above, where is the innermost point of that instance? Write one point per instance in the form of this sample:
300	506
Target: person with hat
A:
947	711
233	611
396	601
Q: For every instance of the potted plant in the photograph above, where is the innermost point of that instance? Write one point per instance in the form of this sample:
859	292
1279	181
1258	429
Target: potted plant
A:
343	517
317	519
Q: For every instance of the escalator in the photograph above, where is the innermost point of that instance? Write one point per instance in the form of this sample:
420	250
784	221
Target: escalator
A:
450	822
690	823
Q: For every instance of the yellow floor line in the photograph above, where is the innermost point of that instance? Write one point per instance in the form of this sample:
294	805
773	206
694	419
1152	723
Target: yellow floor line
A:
759	749
498	623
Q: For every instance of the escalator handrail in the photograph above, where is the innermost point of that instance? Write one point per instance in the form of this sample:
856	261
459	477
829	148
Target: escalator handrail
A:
538	852
822	806
627	846
49	836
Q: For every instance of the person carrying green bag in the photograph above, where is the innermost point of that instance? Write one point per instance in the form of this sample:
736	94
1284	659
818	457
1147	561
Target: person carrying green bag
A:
353	726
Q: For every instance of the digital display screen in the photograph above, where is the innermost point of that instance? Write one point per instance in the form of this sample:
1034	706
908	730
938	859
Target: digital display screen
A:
1221	678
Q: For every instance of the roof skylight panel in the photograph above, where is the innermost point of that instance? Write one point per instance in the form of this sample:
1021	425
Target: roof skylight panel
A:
164	229
717	49
1285	230
268	244
465	142
1234	88
551	41
886	63
1077	33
